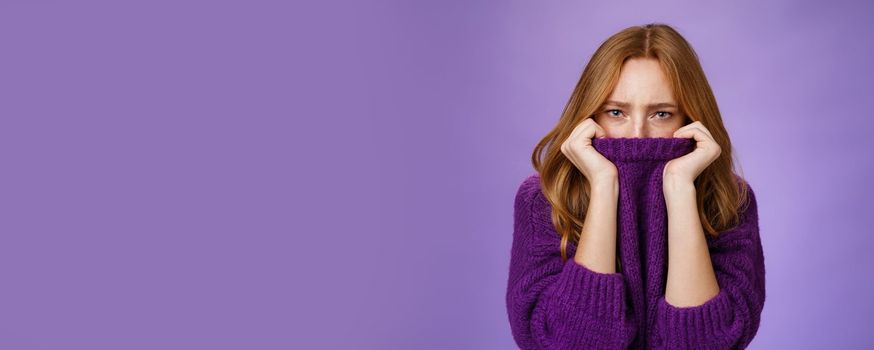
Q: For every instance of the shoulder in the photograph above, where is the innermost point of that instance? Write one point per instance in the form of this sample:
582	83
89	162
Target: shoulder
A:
533	214
749	205
747	224
528	191
531	203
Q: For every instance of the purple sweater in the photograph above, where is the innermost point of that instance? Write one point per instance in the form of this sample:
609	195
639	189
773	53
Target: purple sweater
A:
556	305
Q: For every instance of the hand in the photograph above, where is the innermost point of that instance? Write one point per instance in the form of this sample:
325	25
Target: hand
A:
686	169
578	149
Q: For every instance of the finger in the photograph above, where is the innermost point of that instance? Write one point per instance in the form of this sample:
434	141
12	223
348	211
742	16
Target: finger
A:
579	127
584	136
599	131
696	125
693	133
683	128
584	129
704	130
566	145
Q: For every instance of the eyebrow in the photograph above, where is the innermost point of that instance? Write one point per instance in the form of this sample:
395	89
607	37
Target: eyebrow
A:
654	105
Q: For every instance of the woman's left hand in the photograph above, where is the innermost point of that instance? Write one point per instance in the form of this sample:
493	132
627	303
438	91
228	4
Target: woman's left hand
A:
686	169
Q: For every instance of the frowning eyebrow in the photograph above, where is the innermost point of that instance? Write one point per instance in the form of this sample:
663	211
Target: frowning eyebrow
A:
650	106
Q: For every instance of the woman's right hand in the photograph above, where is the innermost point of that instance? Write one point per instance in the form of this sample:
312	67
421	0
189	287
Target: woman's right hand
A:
579	150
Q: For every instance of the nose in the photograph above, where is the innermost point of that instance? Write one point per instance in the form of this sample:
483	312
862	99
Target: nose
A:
639	129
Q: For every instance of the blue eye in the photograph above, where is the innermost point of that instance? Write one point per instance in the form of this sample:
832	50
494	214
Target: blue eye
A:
668	115
659	114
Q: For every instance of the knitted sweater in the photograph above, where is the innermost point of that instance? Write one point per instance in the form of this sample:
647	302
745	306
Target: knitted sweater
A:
564	305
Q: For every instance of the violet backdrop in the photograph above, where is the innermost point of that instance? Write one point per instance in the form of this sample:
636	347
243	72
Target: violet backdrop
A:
289	175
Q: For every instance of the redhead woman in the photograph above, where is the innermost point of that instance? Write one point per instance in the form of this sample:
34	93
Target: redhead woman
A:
635	231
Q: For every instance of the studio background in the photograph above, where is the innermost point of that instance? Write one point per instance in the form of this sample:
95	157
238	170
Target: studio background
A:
340	175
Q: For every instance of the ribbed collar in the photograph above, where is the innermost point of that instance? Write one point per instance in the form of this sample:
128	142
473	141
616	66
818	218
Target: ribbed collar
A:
643	148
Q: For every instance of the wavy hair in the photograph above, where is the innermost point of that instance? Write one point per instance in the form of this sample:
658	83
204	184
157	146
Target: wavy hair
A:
720	192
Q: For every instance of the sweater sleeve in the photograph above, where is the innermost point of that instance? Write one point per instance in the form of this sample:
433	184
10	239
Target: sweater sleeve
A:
730	319
559	305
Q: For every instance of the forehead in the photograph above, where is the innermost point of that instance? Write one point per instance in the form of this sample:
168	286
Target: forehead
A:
642	81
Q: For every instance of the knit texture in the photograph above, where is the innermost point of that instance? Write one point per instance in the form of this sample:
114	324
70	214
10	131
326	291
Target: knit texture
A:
564	305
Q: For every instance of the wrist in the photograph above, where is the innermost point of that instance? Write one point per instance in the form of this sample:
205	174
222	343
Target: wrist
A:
607	184
672	184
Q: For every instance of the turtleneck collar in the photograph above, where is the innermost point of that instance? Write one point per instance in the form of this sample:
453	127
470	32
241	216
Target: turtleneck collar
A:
629	149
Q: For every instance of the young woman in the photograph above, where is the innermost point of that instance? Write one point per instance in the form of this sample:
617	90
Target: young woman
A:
635	231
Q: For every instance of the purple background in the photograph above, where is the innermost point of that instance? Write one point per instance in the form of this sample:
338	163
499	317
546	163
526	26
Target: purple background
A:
266	175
